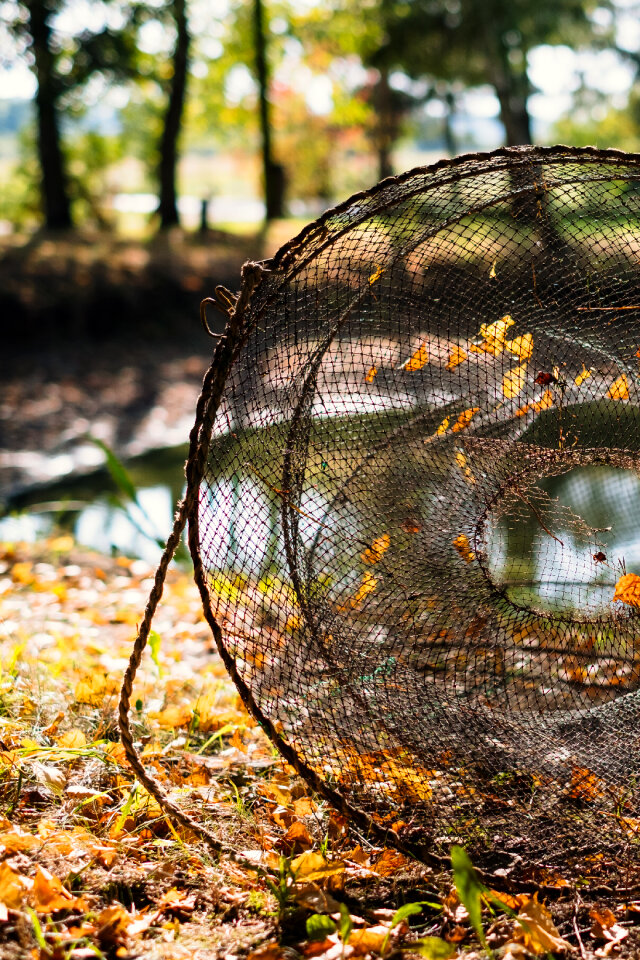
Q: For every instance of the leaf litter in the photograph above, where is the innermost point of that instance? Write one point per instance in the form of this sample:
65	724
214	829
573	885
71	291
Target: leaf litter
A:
89	864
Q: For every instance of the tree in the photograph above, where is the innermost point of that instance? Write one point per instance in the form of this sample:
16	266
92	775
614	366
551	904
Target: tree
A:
176	94
62	65
272	172
485	42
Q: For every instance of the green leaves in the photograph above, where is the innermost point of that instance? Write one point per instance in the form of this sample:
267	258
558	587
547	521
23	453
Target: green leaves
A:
470	890
319	927
433	948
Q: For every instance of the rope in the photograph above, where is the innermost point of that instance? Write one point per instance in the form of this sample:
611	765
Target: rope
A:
207	405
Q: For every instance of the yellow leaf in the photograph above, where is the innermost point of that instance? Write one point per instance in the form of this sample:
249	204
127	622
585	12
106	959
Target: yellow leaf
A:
582	376
461	544
368	585
312	866
173	717
456	357
464	419
498	329
444	426
418	359
539	933
376	275
371	374
521	347
492	272
73	739
378	548
619	389
461	460
545	401
96	689
628	590
513	381
369	940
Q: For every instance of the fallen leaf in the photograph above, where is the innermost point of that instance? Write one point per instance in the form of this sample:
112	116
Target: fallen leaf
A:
521	347
582	376
313	897
604	924
72	739
375	276
513	381
628	590
371	374
493	336
378	548
369	940
456	357
411	526
312	866
418	359
492	272
14	888
461	460
49	895
619	389
585	785
461	544
444	426
367	586
539	933
464	419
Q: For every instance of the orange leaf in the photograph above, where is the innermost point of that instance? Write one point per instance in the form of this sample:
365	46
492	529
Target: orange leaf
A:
619	389
371	374
376	275
378	548
418	359
464	419
49	895
456	357
461	544
14	888
584	785
628	590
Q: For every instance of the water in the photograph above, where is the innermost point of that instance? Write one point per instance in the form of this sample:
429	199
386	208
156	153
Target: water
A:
549	572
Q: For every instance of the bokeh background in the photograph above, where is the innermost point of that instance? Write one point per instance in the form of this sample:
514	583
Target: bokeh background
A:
148	148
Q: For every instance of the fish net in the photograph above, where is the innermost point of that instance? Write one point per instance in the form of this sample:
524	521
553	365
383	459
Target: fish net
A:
417	531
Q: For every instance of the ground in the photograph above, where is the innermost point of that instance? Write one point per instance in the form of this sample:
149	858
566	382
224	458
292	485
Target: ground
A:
90	865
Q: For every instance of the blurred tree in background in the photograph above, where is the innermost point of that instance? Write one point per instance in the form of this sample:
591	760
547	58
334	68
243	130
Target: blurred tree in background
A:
312	97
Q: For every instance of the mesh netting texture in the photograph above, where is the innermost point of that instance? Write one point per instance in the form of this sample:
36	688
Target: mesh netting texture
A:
418	520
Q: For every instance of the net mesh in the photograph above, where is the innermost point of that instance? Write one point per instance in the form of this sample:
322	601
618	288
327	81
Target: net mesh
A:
419	514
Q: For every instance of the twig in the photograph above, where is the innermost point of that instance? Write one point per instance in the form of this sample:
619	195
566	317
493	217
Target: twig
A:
576	929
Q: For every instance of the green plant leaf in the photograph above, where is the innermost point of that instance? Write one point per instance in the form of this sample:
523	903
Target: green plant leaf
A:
117	469
407	910
470	890
345	925
154	646
319	927
433	948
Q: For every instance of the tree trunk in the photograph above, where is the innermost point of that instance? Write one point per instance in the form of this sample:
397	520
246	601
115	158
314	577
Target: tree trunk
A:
273	173
55	196
514	115
168	206
387	125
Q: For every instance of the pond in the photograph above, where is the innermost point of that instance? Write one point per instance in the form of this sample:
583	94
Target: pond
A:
558	549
